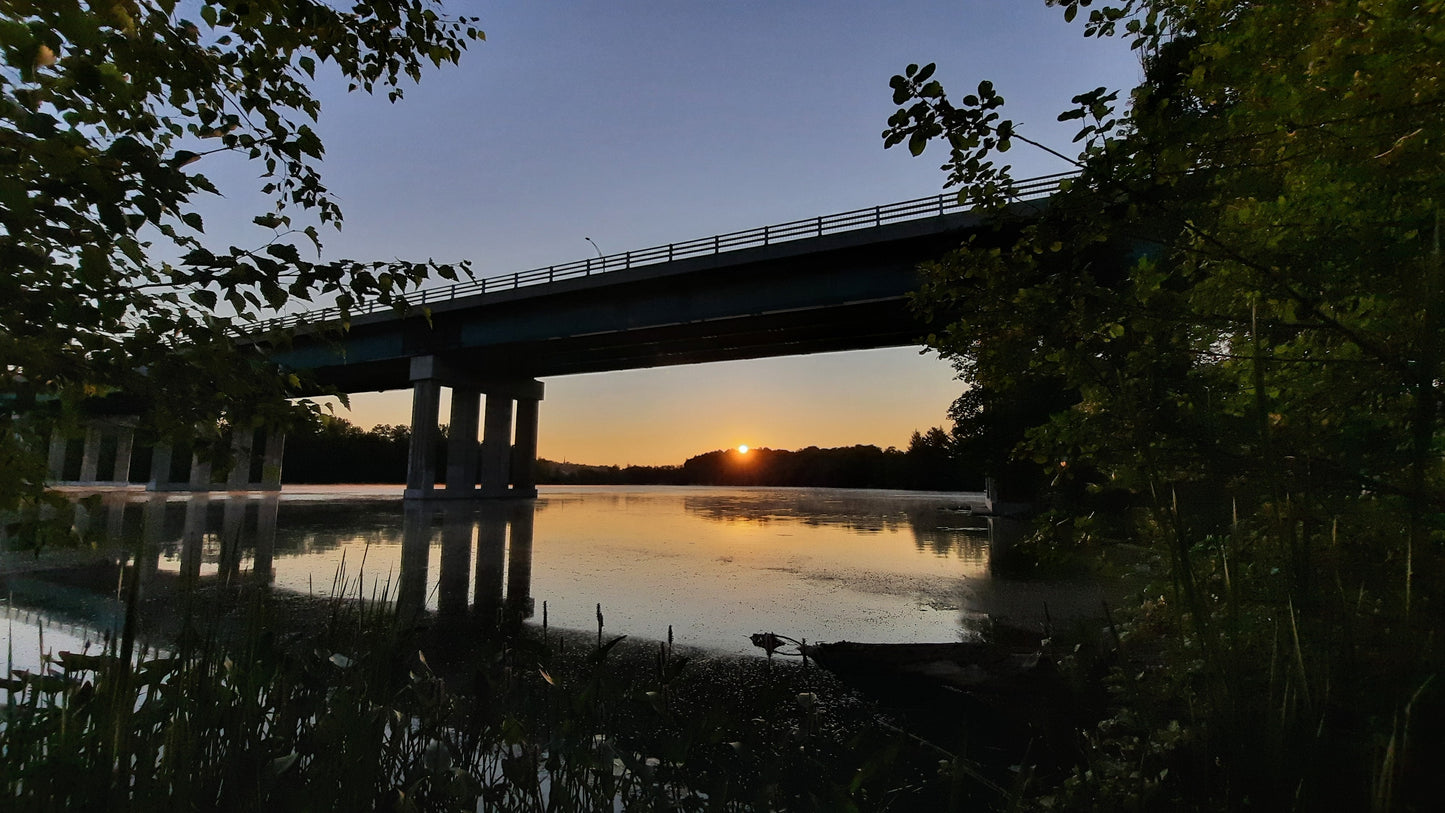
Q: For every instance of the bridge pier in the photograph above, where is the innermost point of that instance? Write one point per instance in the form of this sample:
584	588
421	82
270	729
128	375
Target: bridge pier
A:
97	430
524	454
271	457
124	448
505	470
90	457
239	478
497	447
55	463
421	476
197	478
462	440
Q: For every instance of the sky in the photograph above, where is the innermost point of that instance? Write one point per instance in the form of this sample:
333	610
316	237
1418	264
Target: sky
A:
638	123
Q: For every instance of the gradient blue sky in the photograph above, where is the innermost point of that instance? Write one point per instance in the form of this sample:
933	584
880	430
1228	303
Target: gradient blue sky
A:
639	123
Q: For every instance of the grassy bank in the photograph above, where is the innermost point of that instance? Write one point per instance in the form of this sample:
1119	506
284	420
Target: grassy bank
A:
361	711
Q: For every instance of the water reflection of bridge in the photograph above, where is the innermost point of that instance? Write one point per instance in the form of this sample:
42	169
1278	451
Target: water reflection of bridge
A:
173	547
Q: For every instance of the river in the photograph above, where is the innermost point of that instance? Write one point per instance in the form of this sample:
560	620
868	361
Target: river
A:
713	564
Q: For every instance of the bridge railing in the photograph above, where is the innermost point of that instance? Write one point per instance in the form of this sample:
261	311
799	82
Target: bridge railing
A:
916	209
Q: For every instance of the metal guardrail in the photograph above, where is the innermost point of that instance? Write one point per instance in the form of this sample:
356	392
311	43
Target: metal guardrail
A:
916	209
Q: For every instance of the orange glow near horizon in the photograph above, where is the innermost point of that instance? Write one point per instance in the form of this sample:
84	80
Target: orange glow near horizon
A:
663	416
743	449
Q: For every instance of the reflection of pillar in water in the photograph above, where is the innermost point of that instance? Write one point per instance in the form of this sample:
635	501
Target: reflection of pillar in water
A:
233	524
193	536
519	560
261	563
415	548
80	519
1003	535
114	521
456	561
491	559
153	536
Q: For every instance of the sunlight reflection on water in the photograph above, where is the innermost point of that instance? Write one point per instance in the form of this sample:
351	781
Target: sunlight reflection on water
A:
714	563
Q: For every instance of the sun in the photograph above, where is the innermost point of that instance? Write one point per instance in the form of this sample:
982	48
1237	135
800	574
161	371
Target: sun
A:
743	449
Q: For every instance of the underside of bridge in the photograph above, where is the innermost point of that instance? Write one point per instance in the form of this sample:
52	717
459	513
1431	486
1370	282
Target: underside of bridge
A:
843	291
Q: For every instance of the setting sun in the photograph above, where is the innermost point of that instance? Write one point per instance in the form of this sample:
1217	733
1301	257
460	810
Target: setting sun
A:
743	449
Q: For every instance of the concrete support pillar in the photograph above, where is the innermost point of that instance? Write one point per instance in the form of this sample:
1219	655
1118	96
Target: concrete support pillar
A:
160	467
519	562
124	447
56	462
90	459
462	443
497	446
524	454
421	464
271	460
242	438
200	473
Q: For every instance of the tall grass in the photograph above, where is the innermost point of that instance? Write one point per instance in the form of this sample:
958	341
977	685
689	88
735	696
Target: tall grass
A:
1283	664
376	711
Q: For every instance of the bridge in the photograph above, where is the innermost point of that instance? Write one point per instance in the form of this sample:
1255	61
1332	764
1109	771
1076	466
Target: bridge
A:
828	283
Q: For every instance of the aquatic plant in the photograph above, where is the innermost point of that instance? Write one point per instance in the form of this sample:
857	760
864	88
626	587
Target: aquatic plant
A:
376	710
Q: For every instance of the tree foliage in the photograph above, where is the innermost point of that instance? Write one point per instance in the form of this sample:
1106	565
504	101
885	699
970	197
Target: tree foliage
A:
109	113
1240	298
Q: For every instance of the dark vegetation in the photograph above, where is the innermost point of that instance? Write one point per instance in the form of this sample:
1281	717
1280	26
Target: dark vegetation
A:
113	297
1223	343
361	709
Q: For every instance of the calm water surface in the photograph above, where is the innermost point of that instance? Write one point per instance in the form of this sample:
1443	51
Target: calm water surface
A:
714	563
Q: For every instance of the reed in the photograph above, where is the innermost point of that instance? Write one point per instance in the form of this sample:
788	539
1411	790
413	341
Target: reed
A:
374	711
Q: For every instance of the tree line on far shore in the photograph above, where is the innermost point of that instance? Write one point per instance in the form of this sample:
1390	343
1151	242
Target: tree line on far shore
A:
337	451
